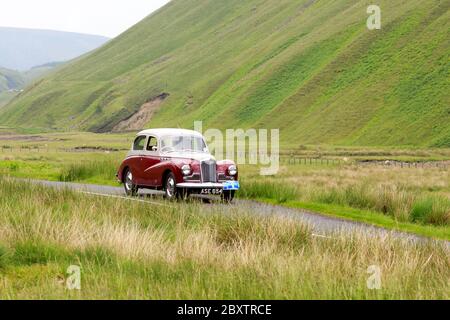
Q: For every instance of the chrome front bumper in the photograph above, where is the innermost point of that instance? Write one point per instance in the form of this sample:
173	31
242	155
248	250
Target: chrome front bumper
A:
205	185
226	186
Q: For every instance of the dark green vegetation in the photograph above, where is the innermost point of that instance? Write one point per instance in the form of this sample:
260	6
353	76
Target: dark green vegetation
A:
310	68
132	250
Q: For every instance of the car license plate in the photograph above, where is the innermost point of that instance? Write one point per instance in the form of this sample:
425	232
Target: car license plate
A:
214	191
231	185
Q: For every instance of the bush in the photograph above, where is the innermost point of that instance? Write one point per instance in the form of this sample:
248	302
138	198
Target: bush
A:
433	210
421	209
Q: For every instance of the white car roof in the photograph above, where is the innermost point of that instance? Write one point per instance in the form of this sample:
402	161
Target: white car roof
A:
169	132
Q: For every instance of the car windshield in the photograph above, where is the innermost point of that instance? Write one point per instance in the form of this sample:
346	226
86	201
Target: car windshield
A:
184	143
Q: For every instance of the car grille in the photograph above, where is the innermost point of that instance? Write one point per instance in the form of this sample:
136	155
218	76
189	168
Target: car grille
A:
193	177
209	171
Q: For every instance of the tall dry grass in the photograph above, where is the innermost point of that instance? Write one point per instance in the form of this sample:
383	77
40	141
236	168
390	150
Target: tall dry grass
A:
420	195
133	250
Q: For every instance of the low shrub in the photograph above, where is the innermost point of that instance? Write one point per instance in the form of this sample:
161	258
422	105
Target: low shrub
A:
432	210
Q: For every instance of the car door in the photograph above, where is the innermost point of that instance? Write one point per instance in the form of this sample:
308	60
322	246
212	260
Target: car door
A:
149	161
136	159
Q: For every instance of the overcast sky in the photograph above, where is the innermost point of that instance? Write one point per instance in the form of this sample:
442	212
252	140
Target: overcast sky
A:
102	17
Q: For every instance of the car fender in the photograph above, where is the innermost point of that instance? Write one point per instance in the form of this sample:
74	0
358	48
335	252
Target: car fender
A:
158	171
125	163
222	166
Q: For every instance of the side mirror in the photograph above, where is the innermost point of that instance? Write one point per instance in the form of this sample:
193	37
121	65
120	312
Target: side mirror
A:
154	148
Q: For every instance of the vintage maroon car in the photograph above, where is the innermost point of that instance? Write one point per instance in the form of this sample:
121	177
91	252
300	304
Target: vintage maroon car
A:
176	161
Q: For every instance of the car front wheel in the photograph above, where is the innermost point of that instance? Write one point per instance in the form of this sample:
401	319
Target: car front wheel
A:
130	188
170	187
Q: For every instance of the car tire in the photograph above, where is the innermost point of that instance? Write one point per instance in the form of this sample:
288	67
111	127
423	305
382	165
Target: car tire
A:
170	188
228	196
131	189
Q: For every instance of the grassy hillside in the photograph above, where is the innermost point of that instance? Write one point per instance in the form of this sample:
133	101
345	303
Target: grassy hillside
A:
5	97
12	82
310	68
40	71
10	79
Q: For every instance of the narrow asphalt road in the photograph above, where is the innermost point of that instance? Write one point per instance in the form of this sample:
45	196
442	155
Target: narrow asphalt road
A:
323	226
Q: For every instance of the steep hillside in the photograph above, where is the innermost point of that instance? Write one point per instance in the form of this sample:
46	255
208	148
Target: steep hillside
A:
22	49
310	68
40	71
10	80
5	97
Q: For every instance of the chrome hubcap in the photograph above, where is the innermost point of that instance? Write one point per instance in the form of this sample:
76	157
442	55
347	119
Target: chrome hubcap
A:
170	187
129	181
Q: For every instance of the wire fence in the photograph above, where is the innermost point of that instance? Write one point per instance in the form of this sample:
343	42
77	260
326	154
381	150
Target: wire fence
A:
251	158
42	149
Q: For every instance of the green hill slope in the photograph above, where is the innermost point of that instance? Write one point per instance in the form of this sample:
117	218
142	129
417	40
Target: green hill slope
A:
10	80
310	68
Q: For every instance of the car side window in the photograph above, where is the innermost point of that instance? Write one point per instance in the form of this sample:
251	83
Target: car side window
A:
139	143
152	144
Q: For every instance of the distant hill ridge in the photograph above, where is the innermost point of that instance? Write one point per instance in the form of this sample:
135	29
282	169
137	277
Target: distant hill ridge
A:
310	68
10	80
22	49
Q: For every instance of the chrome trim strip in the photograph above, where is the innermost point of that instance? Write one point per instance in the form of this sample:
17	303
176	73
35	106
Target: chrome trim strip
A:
151	167
162	158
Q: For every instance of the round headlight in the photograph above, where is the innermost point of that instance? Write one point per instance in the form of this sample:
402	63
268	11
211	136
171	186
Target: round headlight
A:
232	170
186	169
